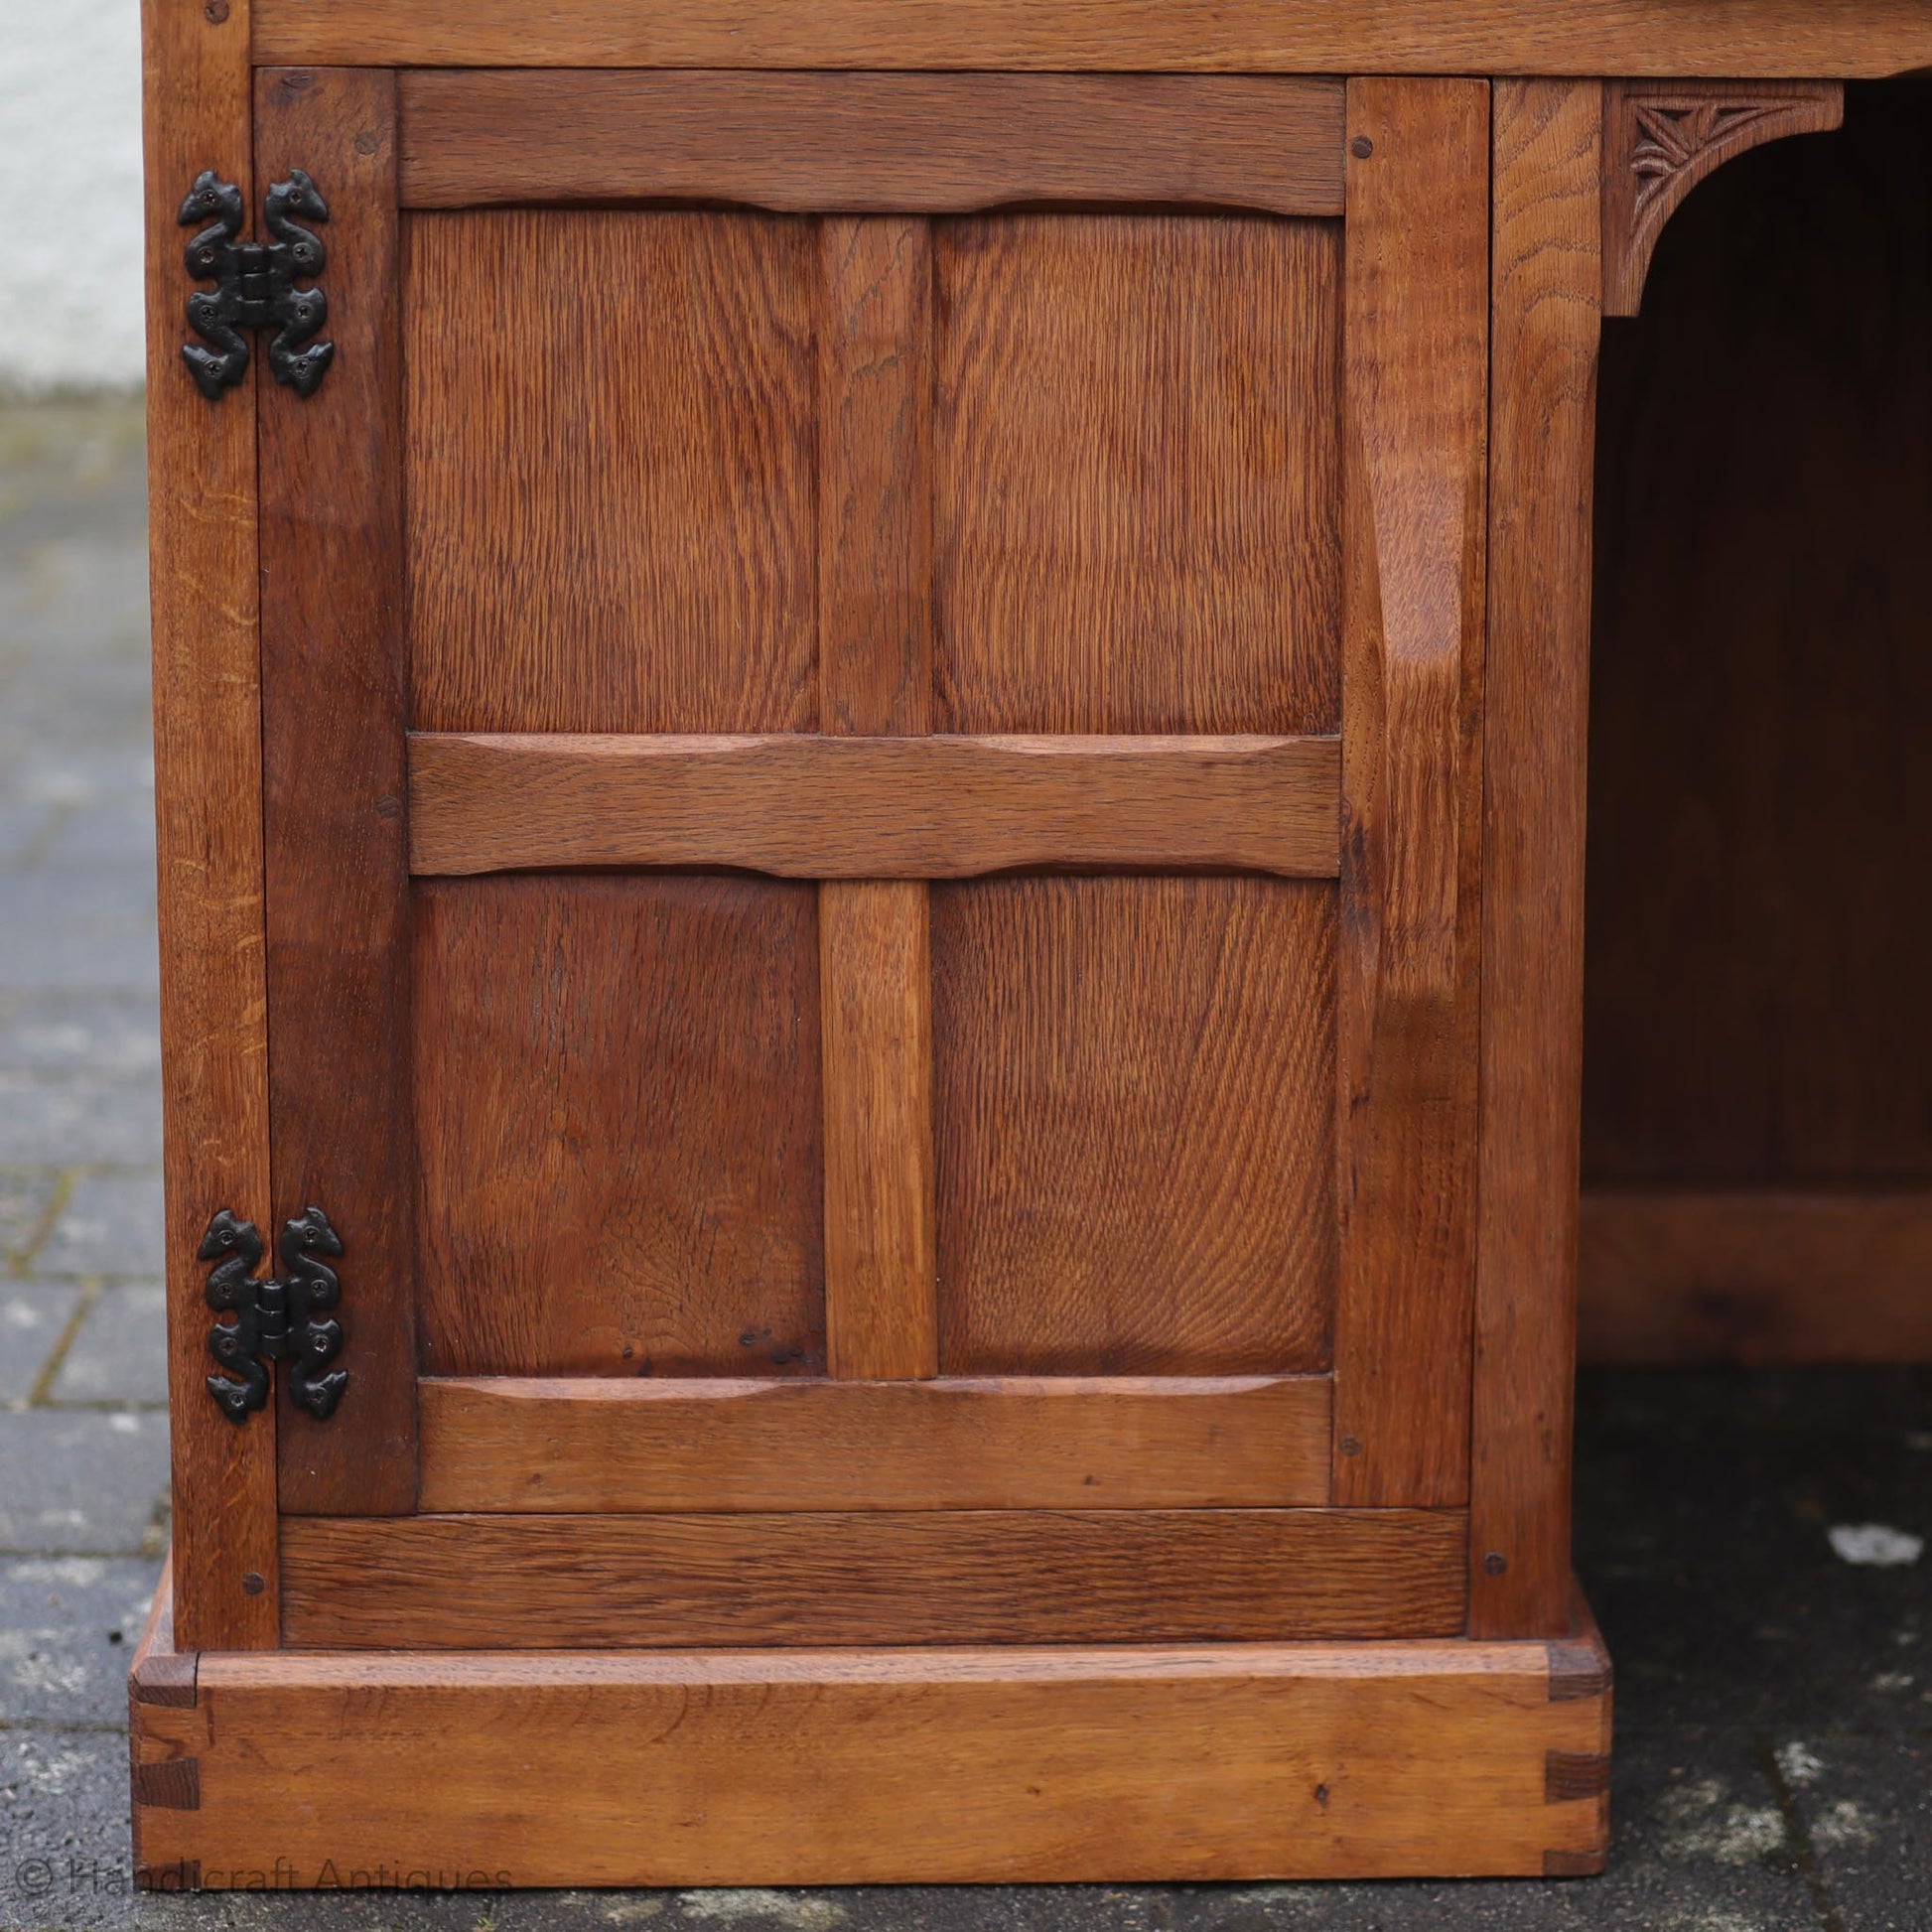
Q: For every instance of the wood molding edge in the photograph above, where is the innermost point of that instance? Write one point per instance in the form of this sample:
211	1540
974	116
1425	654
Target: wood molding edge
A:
1662	138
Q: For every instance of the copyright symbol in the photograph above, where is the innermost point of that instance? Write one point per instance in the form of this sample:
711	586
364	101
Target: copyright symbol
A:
35	1876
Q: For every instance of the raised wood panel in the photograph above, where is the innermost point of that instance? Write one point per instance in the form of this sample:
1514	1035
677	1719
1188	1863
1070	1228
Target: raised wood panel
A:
1135	461
1757	1277
1416	384
1134	1120
204	588
333	683
537	1583
1545	284
1799	38
618	1100
815	143
1016	1443
873	807
611	473
754	1767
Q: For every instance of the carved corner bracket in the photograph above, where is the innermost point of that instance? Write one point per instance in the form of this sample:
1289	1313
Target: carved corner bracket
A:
1662	138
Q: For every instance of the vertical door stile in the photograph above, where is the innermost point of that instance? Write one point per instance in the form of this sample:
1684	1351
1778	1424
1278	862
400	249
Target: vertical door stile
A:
1414	384
875	679
207	823
334	682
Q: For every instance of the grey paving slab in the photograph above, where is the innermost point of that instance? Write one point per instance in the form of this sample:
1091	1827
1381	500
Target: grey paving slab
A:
106	1033
121	1352
34	1316
1865	1810
88	928
66	1119
26	1194
67	1625
111	1224
63	1839
85	1483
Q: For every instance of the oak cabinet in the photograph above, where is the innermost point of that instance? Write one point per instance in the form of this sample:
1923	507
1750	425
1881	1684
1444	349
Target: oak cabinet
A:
870	839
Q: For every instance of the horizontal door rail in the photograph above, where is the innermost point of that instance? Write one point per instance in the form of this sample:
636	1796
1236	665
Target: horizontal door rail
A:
1010	1442
871	143
805	807
1118	1575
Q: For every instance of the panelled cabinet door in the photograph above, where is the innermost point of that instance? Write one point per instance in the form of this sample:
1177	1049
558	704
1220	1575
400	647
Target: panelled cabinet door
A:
869	689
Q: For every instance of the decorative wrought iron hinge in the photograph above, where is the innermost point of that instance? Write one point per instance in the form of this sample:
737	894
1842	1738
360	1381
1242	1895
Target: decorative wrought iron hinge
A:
255	285
282	1319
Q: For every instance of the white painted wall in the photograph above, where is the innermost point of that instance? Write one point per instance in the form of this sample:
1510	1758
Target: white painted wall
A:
70	194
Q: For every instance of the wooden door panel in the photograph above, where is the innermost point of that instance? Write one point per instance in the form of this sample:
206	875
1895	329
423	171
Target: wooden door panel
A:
1136	475
1135	1083
611	470
619	1120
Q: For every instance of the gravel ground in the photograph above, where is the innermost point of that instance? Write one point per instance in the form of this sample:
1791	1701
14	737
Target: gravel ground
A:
1774	1749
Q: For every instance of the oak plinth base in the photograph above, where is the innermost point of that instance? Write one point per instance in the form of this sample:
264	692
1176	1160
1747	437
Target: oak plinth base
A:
483	1770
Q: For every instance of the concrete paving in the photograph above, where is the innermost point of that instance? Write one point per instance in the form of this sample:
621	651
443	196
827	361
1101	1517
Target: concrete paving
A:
1774	1751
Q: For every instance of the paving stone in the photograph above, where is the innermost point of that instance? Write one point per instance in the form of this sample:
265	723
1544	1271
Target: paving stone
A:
76	928
120	1354
25	1196
64	1838
107	1034
111	1225
83	1481
34	1316
68	1626
1866	1812
65	1120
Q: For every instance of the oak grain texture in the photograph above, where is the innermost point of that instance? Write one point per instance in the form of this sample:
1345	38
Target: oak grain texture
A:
335	678
1797	38
1015	1443
1545	329
810	1578
1135	454
1757	1278
610	478
807	806
871	143
874	659
207	750
1415	389
1755	1011
1135	1120
1662	139
617	1103
1154	1762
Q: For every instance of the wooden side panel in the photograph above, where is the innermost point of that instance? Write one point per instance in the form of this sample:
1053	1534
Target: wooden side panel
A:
1794	37
828	807
1136	462
209	829
1415	377
876	677
611	470
334	681
766	1767
1755	1275
1136	1091
546	1582
618	1099
891	144
1542	419
544	1446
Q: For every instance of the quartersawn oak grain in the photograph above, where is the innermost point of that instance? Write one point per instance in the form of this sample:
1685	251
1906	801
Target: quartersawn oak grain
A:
895	143
611	476
1795	39
333	679
203	590
817	808
548	1581
1136	456
1013	1444
1151	1762
1415	393
619	1122
1134	1115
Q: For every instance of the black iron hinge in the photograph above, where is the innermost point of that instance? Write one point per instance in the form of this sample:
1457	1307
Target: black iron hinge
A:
285	1317
255	285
